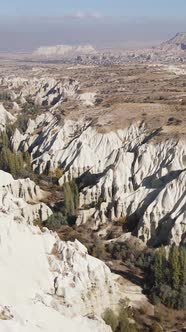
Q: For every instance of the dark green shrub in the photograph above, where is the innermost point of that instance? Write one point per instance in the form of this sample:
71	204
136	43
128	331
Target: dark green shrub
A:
55	221
121	322
111	319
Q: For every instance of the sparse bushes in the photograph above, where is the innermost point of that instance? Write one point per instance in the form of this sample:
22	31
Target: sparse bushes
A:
67	212
117	250
121	322
123	251
11	162
58	173
111	319
55	221
98	250
29	111
54	175
125	320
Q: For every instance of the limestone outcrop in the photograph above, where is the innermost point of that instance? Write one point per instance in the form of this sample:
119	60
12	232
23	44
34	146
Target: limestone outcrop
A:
43	91
124	174
23	199
42	276
5	118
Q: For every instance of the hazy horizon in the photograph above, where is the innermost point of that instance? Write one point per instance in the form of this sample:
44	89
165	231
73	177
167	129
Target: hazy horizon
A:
27	34
127	24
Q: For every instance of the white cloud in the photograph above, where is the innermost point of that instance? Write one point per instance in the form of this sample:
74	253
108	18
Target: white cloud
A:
86	15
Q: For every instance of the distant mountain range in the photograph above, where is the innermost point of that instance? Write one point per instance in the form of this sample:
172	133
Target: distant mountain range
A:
175	45
173	50
178	41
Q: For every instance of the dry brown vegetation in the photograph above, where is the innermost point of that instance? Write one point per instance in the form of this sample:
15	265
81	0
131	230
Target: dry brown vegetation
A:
131	93
124	93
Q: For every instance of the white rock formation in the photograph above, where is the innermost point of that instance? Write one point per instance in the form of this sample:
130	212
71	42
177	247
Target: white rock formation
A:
22	198
46	284
124	172
5	118
44	91
88	98
16	140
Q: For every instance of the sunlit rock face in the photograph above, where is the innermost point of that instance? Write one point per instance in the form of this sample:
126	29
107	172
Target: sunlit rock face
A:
43	91
22	198
5	118
125	173
46	282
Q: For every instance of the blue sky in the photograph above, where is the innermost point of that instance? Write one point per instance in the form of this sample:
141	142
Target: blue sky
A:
131	8
28	24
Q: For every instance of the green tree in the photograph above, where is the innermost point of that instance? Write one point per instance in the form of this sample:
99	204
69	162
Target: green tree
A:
12	163
4	159
182	264
75	192
27	160
174	265
181	300
158	268
5	140
71	197
68	199
18	159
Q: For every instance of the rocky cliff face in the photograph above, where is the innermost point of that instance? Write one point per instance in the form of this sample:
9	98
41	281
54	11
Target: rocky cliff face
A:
124	173
178	42
42	276
5	118
43	91
22	199
127	173
49	278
